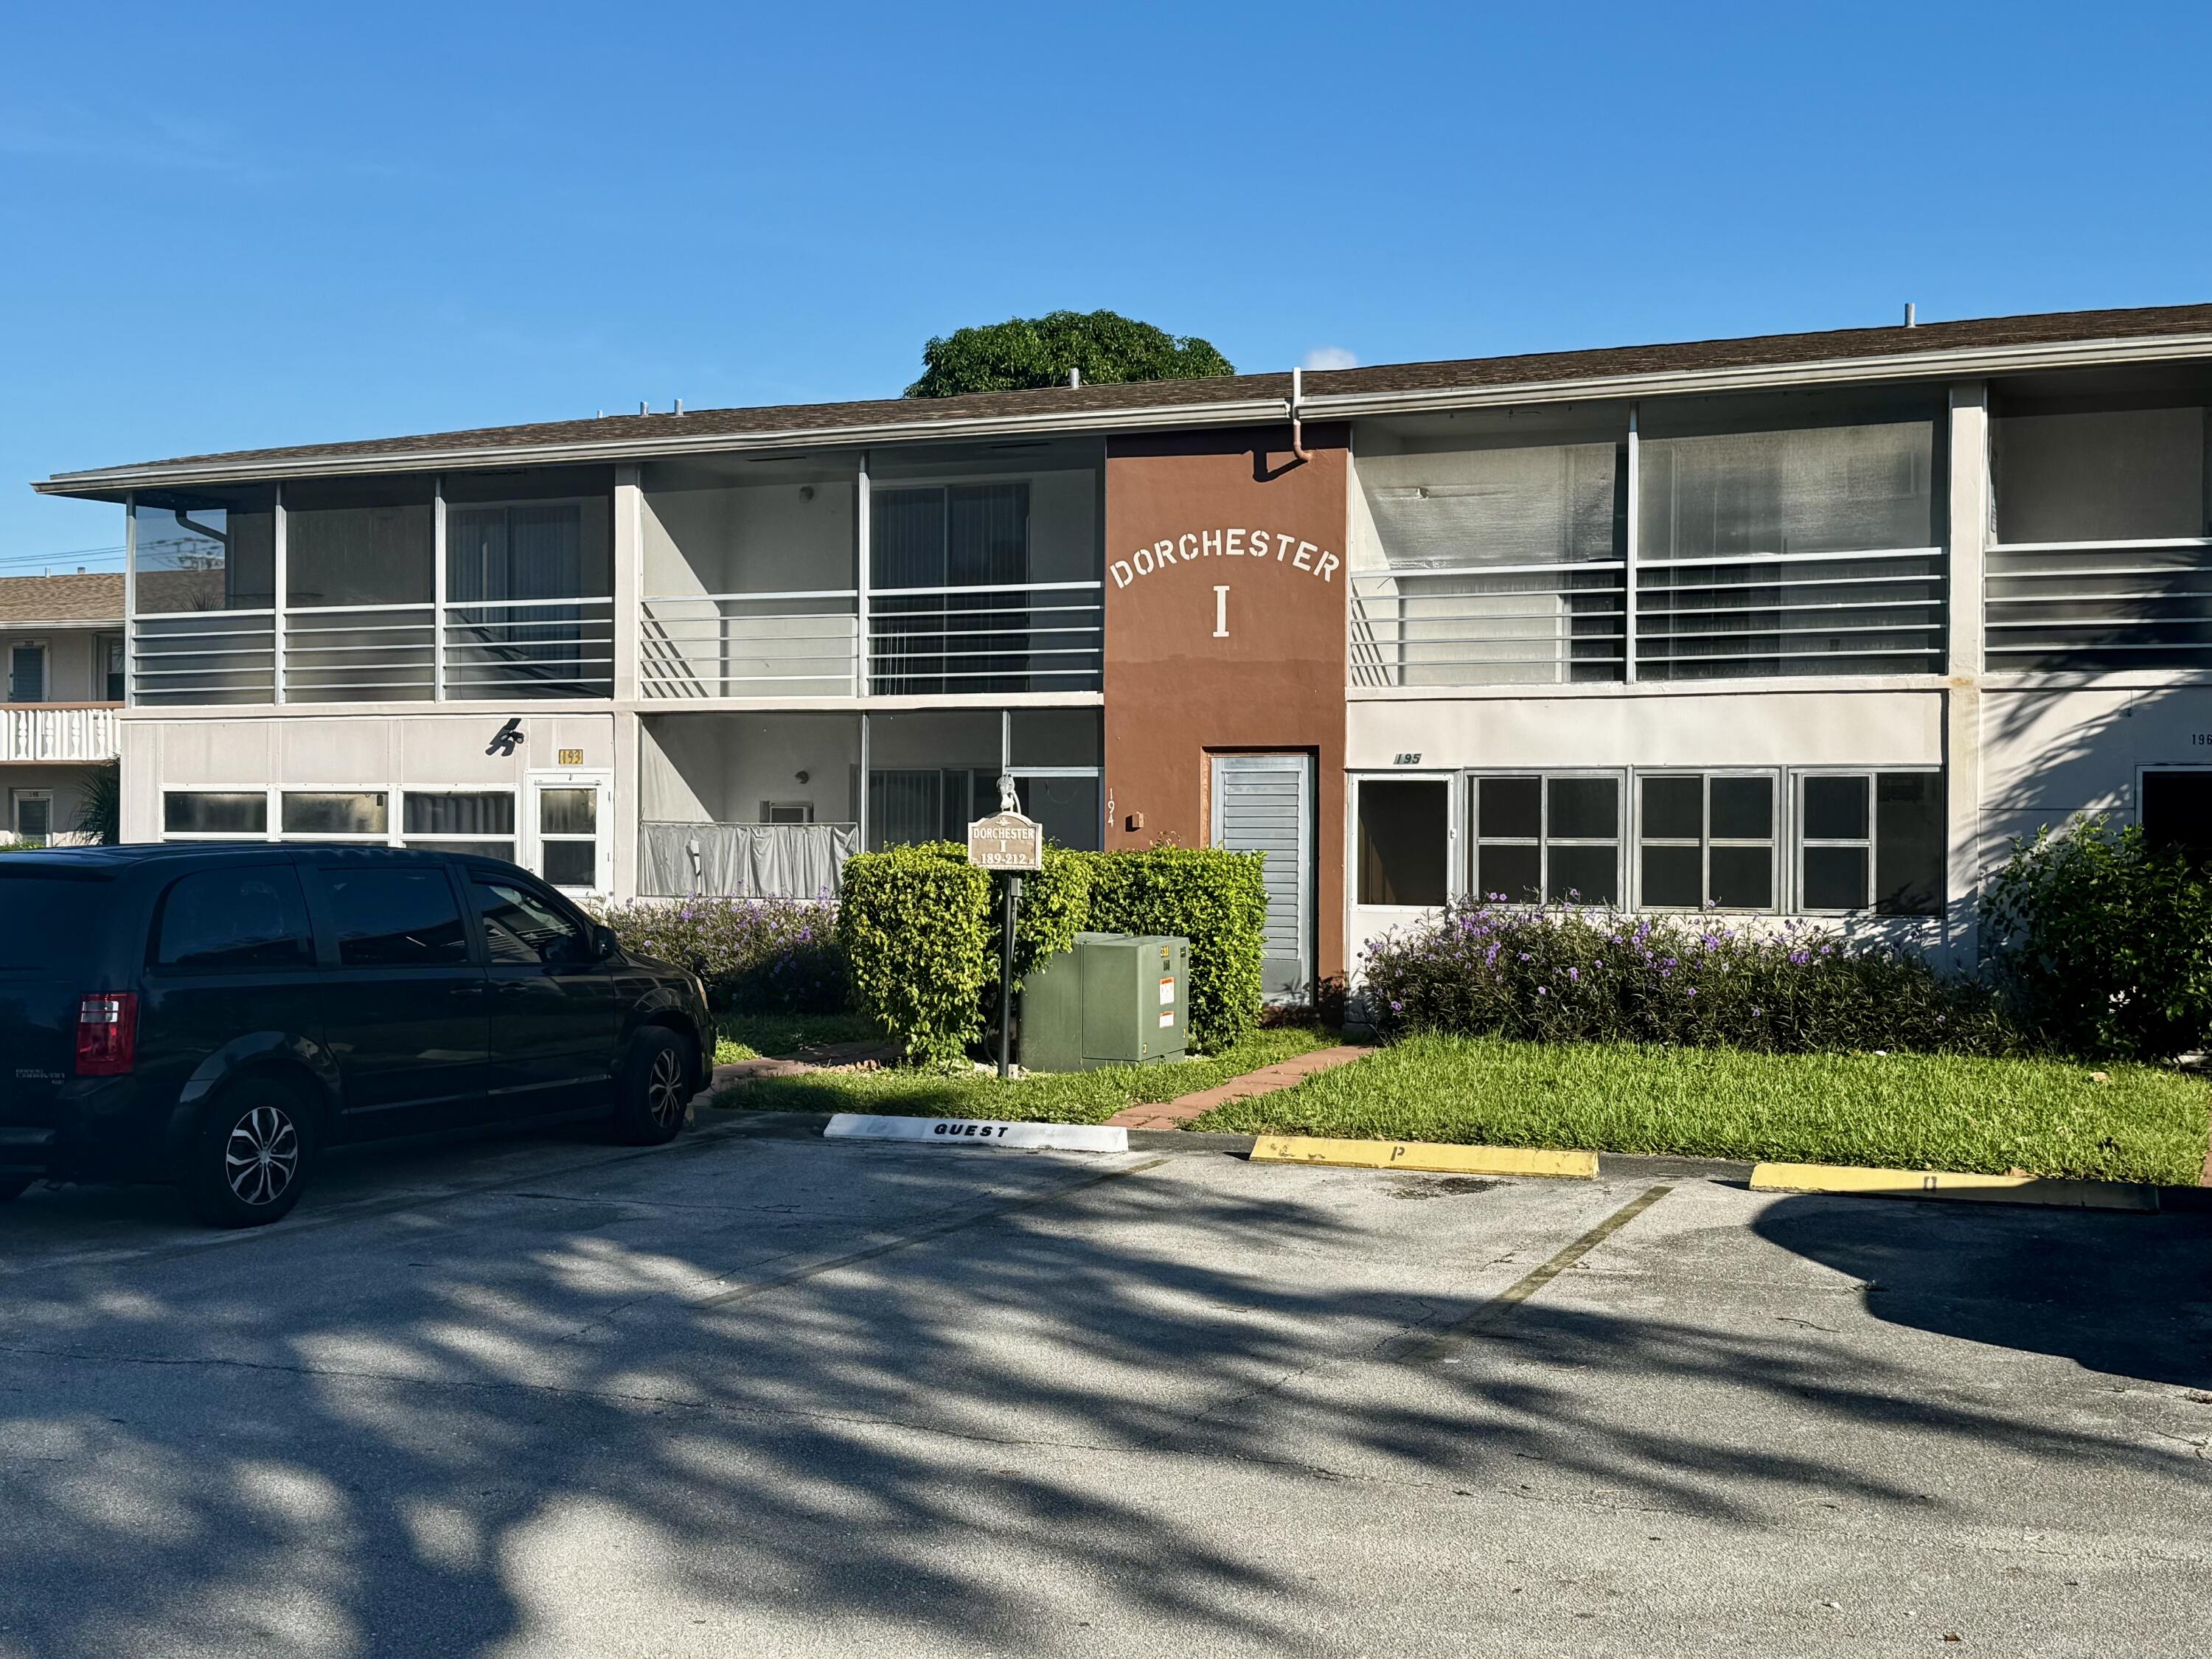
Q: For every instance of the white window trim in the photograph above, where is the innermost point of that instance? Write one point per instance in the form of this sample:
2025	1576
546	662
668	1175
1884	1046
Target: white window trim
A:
1777	886
15	799
1799	841
511	840
1455	858
1470	800
532	841
269	809
45	648
346	837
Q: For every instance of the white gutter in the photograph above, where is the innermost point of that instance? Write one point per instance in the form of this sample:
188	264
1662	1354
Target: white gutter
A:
1958	363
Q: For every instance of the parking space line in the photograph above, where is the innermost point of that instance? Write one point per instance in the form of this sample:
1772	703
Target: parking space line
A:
1455	1336
919	1235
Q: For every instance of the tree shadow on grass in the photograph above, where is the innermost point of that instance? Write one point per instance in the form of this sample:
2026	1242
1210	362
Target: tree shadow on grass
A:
409	1437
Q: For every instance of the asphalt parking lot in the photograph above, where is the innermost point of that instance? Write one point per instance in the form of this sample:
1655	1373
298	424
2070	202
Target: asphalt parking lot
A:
759	1393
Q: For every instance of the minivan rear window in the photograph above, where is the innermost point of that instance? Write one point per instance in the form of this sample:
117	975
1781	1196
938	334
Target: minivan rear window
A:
48	920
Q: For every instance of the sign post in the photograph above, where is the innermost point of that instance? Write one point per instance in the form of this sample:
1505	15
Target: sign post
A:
1010	844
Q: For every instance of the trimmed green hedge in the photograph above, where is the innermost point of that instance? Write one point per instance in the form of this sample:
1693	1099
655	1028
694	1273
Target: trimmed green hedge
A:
921	928
1214	899
915	922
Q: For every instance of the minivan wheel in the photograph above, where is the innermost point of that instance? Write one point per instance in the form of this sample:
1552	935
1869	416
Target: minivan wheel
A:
250	1160
652	1089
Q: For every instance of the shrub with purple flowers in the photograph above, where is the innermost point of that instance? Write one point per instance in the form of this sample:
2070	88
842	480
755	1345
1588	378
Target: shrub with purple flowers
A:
756	955
1569	974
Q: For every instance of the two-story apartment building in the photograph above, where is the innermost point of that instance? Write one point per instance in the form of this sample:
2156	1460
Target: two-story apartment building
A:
1796	625
58	726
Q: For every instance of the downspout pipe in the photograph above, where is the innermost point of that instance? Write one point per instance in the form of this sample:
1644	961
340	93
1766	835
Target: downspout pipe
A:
1297	424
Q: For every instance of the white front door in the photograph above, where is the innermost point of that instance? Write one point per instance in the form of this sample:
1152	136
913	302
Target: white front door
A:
567	828
1264	803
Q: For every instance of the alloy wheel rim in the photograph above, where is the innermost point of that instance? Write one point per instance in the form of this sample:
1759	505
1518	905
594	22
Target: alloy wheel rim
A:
664	1088
261	1157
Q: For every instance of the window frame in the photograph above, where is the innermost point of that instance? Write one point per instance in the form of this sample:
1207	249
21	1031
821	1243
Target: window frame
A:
1777	888
270	810
513	840
1871	841
342	837
1470	863
311	936
44	650
1457	859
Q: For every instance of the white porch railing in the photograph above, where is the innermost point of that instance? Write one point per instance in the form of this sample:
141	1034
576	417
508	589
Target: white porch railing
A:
462	650
60	733
1032	636
1880	611
1500	624
2081	607
802	644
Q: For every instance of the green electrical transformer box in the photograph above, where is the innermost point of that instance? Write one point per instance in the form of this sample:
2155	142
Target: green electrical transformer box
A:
1115	999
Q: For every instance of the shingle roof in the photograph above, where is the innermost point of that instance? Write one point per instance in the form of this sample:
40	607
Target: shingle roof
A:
96	596
1055	405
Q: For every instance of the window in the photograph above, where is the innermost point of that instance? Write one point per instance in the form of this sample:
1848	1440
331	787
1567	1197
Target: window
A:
249	918
33	810
567	835
27	673
114	680
522	926
1871	840
2177	812
395	917
325	813
1405	834
786	811
1706	840
1555	837
215	812
480	822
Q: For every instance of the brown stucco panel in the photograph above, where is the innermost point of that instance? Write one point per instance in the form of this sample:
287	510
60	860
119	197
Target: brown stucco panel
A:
1191	673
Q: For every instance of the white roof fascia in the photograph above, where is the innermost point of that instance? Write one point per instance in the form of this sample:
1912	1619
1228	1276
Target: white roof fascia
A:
1962	363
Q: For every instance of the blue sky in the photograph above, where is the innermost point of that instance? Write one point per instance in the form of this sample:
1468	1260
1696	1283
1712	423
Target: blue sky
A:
230	227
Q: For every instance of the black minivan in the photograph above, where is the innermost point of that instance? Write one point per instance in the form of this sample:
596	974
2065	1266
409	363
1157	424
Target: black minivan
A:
218	1015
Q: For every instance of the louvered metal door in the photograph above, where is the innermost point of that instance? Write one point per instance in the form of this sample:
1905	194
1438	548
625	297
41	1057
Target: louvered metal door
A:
1264	803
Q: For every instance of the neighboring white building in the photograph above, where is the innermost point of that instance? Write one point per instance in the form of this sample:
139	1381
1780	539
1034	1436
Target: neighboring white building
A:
1798	625
63	640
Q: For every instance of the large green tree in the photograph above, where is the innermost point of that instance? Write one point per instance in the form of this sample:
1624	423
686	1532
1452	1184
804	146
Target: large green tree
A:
1035	351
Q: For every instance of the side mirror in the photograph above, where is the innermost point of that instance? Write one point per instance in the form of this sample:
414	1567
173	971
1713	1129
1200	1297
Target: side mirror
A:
603	943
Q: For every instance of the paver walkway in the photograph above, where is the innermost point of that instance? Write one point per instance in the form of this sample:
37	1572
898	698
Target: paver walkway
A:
1283	1074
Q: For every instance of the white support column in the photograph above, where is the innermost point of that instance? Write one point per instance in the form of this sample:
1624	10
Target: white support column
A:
277	616
863	537
130	600
1965	541
438	589
629	580
860	805
1634	533
626	803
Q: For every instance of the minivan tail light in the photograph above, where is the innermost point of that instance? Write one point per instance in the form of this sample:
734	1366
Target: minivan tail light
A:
106	1033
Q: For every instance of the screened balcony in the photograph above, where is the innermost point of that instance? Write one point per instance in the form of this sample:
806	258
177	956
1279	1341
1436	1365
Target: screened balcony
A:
485	587
770	803
981	574
1698	539
2102	556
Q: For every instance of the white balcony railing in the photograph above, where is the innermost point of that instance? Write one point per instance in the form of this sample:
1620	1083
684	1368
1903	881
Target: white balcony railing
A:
462	650
1880	611
57	732
2086	607
1505	624
803	644
1035	637
1039	636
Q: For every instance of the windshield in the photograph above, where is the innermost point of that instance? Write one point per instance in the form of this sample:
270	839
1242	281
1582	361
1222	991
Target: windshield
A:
47	920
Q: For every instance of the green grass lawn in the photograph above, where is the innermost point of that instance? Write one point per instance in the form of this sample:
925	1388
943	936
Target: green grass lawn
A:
1061	1097
748	1037
1909	1111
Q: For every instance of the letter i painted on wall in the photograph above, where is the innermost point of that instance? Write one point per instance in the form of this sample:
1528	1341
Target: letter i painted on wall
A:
1221	613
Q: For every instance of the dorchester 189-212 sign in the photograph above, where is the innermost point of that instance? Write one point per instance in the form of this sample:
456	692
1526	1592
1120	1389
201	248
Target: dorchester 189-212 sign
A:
1277	547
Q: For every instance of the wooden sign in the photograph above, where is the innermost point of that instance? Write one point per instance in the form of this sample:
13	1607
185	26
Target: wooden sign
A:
1006	840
